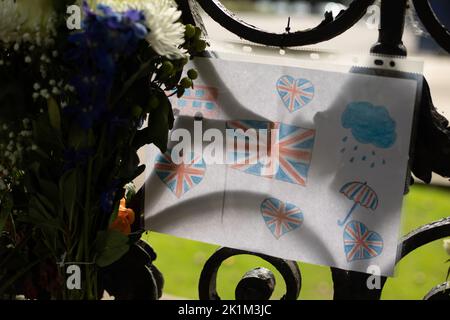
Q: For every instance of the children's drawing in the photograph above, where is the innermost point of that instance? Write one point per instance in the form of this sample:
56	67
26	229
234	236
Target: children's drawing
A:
281	217
180	178
295	93
360	243
284	151
361	194
200	100
370	125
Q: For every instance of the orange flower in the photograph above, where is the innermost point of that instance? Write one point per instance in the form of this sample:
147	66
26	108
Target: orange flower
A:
124	220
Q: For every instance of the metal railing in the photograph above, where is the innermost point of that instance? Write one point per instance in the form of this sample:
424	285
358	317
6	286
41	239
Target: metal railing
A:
432	130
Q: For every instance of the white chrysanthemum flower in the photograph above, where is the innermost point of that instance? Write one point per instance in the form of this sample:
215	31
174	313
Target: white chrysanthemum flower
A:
26	20
11	21
166	34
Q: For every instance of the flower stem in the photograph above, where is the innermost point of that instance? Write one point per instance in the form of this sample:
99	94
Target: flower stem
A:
87	225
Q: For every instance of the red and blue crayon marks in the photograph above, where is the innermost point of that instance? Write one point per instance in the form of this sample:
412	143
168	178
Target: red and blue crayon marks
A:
180	178
287	151
295	93
360	243
200	100
281	217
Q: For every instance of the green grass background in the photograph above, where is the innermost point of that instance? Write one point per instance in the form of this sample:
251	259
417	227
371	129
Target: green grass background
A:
181	261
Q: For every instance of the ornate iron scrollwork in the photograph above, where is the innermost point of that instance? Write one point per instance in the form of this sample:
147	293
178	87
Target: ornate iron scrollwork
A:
391	30
440	292
437	30
329	28
257	284
423	235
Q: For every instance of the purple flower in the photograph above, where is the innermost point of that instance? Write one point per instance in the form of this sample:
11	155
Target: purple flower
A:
106	38
73	157
108	196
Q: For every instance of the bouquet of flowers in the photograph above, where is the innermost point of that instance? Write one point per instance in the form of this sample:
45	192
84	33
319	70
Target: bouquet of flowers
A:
73	104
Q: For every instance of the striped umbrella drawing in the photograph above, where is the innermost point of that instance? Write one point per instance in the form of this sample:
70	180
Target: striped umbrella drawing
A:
361	194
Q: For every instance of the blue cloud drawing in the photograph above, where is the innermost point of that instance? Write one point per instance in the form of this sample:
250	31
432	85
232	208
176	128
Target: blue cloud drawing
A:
370	124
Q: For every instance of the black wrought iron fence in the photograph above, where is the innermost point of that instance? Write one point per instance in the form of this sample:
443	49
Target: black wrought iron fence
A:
431	145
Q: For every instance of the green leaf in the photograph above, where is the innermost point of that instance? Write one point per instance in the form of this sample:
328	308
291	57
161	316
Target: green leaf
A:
49	206
139	170
36	204
35	217
37	184
130	164
46	136
54	113
40	214
157	132
68	192
78	138
110	245
17	276
5	211
4	214
115	213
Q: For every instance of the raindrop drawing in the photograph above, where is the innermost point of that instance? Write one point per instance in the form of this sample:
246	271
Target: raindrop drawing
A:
371	126
361	195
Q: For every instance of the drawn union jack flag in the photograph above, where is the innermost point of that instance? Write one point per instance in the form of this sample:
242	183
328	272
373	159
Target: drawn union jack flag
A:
180	178
201	99
281	217
360	243
295	93
283	151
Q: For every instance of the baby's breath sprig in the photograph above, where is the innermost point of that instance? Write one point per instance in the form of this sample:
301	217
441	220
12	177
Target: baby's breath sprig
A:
42	60
15	141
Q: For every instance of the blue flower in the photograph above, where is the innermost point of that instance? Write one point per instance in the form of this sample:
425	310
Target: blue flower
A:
73	157
108	196
106	38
